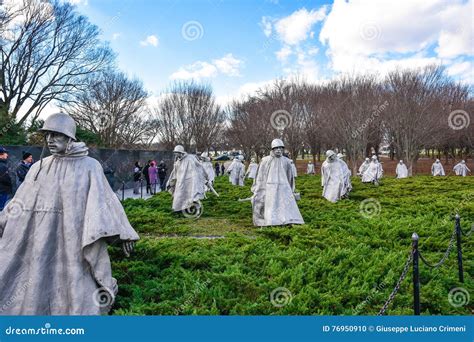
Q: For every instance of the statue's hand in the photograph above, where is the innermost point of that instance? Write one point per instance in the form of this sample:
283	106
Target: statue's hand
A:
127	247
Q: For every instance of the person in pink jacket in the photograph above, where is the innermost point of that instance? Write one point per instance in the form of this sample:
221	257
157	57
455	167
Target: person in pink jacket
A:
153	174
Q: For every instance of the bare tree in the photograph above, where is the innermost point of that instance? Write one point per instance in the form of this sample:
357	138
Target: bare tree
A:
315	136
113	107
187	114
47	49
415	108
249	128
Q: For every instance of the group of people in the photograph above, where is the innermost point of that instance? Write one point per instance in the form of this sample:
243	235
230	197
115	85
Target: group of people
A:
6	180
153	174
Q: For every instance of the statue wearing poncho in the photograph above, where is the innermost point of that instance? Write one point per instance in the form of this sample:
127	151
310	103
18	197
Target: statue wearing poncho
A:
437	169
347	173
252	169
187	181
461	169
273	199
236	171
207	165
365	165
373	173
53	252
401	171
332	177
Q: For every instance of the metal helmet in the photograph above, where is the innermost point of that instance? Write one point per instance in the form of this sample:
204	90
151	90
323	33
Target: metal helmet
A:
179	149
60	123
241	157
277	143
340	155
330	153
374	157
205	154
367	159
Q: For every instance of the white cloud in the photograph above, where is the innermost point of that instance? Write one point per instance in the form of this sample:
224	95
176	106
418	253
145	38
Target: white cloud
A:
197	70
266	25
150	40
363	37
296	27
283	53
79	2
243	91
227	65
464	71
250	88
116	35
295	32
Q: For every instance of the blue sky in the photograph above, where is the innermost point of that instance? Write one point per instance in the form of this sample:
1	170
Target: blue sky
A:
237	46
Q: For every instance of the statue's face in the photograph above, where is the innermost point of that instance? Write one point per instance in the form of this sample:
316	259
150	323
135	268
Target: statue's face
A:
278	151
178	155
57	142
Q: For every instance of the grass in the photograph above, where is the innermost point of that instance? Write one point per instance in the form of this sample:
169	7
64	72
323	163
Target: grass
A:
338	263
